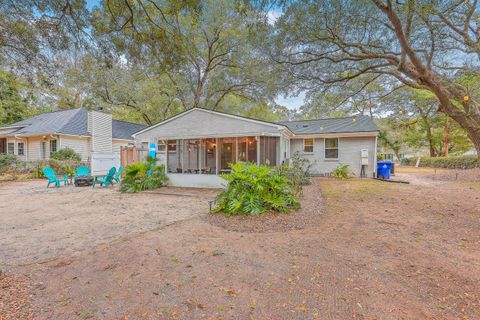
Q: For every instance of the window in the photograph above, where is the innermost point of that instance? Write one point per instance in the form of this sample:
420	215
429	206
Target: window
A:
53	146
172	145
308	145
331	148
11	147
161	145
21	149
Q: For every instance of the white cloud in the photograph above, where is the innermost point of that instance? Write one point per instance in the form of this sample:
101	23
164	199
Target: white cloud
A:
273	16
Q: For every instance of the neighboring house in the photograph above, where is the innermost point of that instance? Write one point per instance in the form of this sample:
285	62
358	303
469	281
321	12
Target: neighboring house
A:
388	154
471	152
197	145
79	129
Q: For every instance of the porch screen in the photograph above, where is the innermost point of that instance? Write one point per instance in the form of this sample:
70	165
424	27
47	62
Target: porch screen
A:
268	150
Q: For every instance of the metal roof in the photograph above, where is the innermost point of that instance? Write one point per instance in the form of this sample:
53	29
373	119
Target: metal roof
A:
333	125
72	122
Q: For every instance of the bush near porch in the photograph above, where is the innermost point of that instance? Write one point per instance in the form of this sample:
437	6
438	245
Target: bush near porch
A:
255	189
143	176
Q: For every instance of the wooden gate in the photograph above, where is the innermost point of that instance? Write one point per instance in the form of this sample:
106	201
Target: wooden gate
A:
129	155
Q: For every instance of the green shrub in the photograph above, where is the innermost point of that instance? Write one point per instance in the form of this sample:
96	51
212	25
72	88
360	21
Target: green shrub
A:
342	172
255	189
460	162
297	172
7	162
143	176
59	166
66	154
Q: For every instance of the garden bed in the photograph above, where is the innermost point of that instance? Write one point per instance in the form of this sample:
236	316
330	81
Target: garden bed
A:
309	214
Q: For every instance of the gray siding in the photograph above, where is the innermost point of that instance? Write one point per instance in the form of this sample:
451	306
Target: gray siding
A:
349	152
204	124
100	125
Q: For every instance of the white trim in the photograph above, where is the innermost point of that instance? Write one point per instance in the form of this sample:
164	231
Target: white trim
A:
325	149
24	147
223	135
278	126
14	127
313	146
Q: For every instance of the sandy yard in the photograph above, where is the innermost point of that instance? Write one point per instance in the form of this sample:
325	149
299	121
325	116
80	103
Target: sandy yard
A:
358	249
38	224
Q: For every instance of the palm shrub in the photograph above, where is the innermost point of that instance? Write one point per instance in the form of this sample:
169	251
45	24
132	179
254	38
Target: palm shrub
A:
255	189
143	176
342	172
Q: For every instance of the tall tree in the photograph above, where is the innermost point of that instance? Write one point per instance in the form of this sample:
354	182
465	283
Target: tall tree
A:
13	107
205	52
413	43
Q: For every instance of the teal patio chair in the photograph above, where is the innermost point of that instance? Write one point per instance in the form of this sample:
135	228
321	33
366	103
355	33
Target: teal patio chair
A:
52	177
81	171
105	181
117	175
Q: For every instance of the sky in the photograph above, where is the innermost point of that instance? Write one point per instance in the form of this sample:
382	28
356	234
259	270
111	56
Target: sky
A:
289	102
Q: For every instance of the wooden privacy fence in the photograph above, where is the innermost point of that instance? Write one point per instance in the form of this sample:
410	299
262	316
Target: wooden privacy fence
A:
129	155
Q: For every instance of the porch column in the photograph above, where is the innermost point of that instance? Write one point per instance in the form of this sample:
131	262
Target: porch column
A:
236	150
199	156
182	142
217	157
258	149
166	156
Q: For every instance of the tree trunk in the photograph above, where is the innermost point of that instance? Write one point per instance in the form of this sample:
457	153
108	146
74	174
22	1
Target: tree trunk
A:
433	152
446	142
467	117
469	124
430	142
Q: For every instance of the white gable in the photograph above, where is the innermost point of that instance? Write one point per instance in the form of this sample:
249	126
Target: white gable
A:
200	123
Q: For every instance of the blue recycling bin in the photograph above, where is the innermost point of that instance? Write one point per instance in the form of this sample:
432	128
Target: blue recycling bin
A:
383	169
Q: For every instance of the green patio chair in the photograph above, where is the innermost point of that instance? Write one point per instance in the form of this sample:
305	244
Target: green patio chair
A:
117	175
105	181
81	171
52	177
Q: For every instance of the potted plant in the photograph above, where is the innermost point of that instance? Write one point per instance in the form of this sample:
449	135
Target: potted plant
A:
70	173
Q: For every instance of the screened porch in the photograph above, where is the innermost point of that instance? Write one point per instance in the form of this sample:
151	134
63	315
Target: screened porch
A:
212	156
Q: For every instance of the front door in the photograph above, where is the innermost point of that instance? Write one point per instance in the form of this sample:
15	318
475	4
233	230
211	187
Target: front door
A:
3	145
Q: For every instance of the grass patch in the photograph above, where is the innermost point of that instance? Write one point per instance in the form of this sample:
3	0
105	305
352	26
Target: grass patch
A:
420	170
340	195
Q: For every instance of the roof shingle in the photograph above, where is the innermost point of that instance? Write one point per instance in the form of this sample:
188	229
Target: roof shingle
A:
333	125
73	121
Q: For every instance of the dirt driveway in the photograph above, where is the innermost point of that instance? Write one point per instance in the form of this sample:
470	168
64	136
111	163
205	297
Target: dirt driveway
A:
375	250
38	224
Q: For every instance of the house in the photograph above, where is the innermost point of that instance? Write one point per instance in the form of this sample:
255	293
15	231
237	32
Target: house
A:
197	145
84	131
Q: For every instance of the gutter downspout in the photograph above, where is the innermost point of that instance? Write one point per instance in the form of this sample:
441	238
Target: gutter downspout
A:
375	158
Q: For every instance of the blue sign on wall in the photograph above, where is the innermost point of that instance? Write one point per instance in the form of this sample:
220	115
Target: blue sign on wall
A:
152	150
